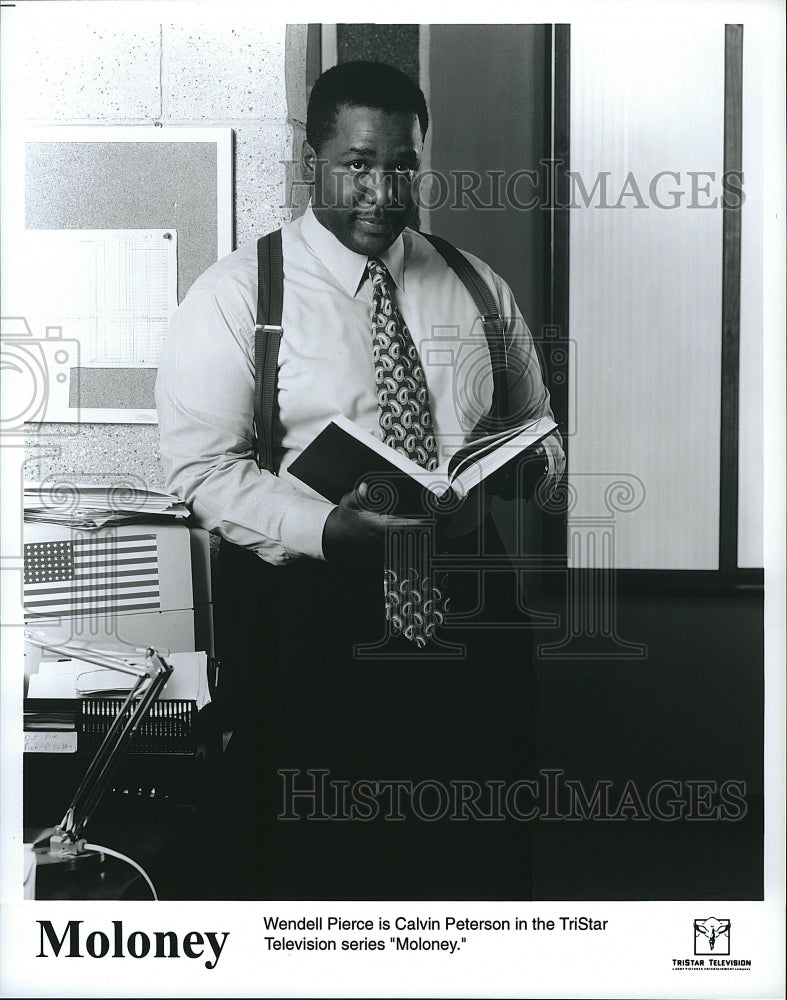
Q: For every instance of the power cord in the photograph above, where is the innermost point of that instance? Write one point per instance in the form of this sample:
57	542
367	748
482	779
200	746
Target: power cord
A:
99	849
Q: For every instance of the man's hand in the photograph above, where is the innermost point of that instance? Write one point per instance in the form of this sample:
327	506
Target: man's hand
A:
519	479
354	534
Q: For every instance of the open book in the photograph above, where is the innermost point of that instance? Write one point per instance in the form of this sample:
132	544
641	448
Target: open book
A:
342	455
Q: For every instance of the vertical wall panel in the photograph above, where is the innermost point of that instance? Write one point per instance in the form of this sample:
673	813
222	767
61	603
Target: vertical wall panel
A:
645	295
467	64
751	465
396	44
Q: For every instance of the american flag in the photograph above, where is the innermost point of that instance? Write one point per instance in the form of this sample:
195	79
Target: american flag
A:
91	575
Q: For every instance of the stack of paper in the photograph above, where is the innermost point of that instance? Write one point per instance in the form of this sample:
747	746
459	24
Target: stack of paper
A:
75	678
82	505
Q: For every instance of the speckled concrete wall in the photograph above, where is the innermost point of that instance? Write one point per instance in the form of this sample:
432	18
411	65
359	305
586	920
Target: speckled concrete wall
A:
218	65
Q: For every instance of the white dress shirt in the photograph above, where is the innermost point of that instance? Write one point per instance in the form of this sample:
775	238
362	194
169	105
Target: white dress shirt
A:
205	384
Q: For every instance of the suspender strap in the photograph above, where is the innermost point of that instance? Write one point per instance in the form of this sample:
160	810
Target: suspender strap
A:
267	338
494	328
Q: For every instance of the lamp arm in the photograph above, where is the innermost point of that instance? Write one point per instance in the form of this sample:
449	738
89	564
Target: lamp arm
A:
112	662
151	678
82	800
113	748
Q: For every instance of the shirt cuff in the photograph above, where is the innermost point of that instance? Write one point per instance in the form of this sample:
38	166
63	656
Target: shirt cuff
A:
302	526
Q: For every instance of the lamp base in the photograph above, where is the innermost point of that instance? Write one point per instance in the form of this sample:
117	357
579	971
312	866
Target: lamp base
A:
67	854
68	862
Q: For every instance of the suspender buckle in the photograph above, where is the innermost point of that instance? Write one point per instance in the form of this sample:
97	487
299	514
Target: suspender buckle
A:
493	324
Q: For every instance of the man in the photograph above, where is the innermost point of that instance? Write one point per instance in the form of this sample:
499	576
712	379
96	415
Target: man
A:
321	691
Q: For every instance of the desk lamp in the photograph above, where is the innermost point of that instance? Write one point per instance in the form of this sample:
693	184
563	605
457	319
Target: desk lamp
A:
66	840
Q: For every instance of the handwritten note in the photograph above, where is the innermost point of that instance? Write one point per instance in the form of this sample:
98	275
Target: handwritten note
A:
51	742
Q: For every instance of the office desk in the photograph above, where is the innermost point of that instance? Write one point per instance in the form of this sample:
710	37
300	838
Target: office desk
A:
158	834
148	814
91	879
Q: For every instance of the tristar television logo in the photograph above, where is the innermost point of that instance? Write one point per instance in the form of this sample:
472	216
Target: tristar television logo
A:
712	936
711	949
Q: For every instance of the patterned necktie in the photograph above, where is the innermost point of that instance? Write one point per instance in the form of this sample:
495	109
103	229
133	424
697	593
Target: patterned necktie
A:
414	605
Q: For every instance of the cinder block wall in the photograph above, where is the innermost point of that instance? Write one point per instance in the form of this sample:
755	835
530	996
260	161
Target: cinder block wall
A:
215	64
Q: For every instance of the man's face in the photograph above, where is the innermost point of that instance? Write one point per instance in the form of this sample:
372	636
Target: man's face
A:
363	177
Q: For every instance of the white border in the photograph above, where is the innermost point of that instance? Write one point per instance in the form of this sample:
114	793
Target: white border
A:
633	959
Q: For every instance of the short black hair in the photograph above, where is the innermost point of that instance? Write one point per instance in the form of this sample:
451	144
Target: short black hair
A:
361	84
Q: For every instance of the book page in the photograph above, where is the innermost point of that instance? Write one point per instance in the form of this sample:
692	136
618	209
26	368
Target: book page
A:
475	470
473	450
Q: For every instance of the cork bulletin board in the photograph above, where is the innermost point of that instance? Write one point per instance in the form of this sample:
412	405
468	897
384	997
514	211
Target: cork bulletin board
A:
122	189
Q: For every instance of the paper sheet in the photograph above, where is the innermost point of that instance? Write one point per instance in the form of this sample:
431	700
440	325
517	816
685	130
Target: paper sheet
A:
73	678
113	290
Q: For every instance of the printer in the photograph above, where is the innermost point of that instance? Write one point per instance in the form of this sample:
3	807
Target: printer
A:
142	584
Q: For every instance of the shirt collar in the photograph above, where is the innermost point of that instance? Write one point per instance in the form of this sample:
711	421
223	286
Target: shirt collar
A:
345	265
